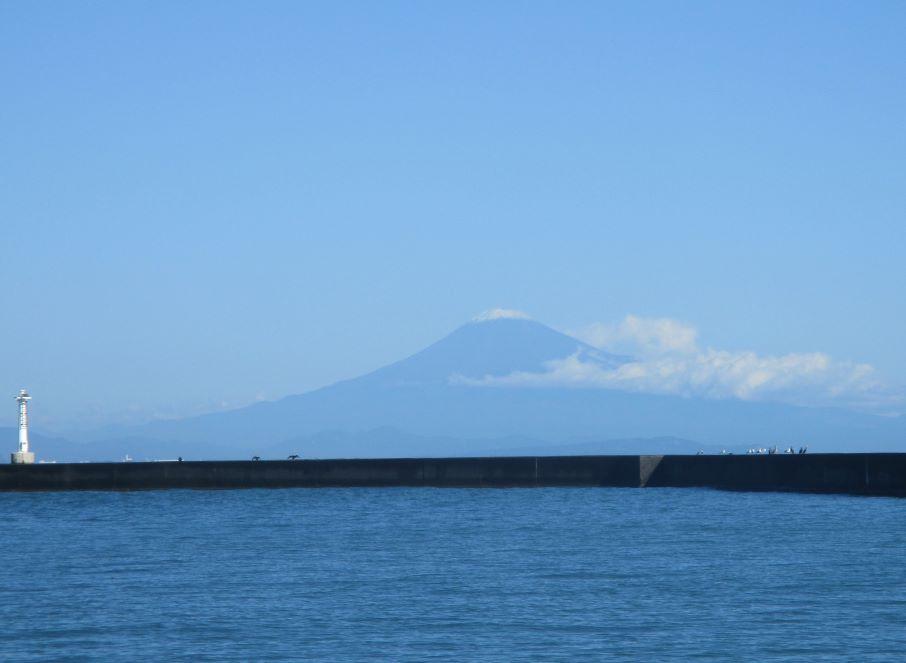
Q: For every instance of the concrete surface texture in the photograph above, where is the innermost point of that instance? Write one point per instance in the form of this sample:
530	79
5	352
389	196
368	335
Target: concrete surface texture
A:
869	474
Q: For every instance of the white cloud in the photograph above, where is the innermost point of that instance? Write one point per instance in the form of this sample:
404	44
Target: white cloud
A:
669	361
641	336
499	314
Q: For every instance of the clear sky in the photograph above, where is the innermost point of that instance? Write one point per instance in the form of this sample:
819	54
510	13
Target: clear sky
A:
210	202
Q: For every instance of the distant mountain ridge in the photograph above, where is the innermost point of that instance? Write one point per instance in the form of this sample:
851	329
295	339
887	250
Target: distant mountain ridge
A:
432	410
488	348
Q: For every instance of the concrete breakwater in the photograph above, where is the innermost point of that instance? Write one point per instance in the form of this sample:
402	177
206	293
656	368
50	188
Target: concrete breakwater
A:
868	474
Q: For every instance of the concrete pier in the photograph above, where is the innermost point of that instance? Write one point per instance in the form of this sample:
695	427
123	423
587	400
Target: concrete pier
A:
868	474
864	474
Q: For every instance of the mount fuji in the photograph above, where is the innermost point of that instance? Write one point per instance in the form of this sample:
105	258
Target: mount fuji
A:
440	401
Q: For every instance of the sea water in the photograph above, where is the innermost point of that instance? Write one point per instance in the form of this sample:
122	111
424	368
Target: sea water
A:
452	574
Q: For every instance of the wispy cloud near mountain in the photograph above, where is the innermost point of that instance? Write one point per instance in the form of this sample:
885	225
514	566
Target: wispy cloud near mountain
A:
641	337
669	360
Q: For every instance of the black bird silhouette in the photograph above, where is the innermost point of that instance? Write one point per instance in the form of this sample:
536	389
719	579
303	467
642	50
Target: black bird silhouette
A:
293	457
256	457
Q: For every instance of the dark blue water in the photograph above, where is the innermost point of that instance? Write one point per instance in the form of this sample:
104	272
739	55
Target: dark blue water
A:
419	574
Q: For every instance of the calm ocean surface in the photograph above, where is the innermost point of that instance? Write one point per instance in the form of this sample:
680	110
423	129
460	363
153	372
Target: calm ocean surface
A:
452	574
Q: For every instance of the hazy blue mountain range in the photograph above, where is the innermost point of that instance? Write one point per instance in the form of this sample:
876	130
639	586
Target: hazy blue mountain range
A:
46	446
425	405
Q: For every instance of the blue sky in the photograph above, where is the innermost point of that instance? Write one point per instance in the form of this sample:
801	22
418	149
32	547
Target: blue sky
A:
211	202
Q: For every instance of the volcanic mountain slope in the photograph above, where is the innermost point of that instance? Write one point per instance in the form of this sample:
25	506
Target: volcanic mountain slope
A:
477	350
437	402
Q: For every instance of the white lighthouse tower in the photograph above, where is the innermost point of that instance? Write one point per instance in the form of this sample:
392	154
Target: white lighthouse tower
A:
23	456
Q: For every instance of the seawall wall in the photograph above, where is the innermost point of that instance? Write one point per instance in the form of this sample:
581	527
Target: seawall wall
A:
870	474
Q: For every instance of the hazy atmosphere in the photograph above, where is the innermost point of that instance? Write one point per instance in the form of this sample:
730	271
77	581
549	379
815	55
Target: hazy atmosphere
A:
214	204
454	331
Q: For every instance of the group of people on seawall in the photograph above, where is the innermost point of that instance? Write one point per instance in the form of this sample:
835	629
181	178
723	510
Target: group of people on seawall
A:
757	451
773	450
